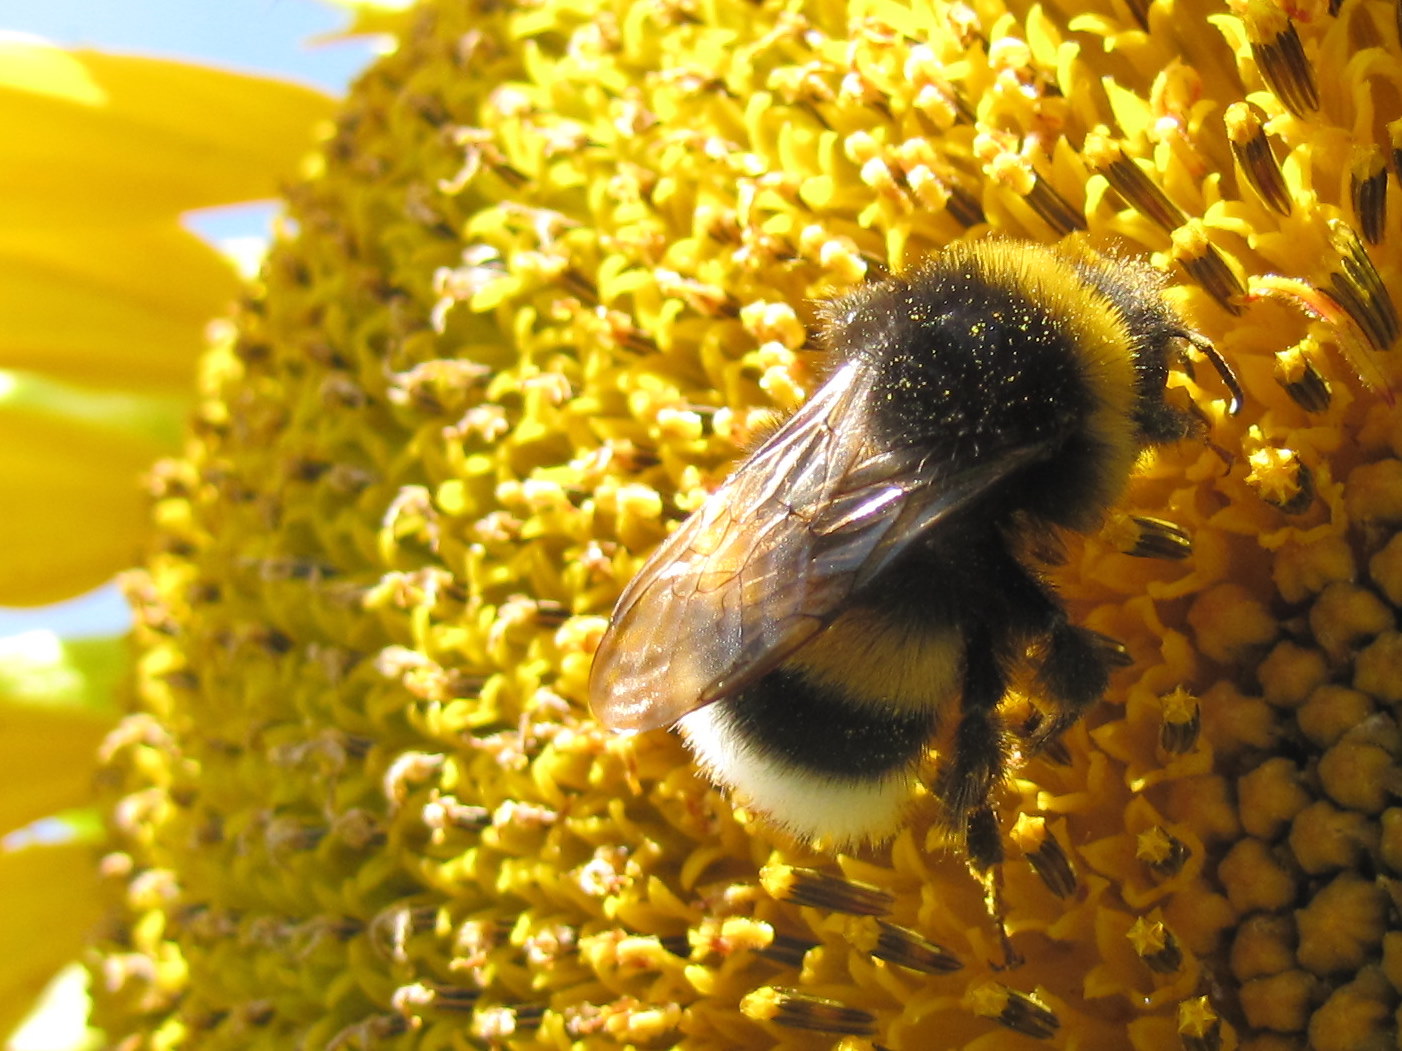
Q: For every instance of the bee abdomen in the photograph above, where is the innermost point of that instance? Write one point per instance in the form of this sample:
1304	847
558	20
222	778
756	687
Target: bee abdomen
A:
818	761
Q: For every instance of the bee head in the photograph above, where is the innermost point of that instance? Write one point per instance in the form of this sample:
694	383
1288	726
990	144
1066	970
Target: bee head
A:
1159	343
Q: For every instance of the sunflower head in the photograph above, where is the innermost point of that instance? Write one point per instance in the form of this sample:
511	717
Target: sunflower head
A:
559	264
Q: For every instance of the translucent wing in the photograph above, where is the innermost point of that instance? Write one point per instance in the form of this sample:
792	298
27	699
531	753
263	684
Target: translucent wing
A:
817	512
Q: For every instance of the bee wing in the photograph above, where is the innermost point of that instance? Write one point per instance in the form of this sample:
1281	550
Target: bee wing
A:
816	513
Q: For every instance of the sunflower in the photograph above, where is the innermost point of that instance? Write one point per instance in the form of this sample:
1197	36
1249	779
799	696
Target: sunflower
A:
557	265
105	300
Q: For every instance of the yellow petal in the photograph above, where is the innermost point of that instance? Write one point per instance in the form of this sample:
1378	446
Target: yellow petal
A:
34	66
48	756
50	725
372	17
110	306
50	893
124	146
99	285
75	513
98	281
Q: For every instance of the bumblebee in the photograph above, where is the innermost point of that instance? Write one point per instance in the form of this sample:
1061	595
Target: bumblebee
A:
840	621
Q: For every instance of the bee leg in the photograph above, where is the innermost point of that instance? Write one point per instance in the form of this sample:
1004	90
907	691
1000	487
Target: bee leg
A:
975	766
985	845
1075	663
978	752
1075	673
